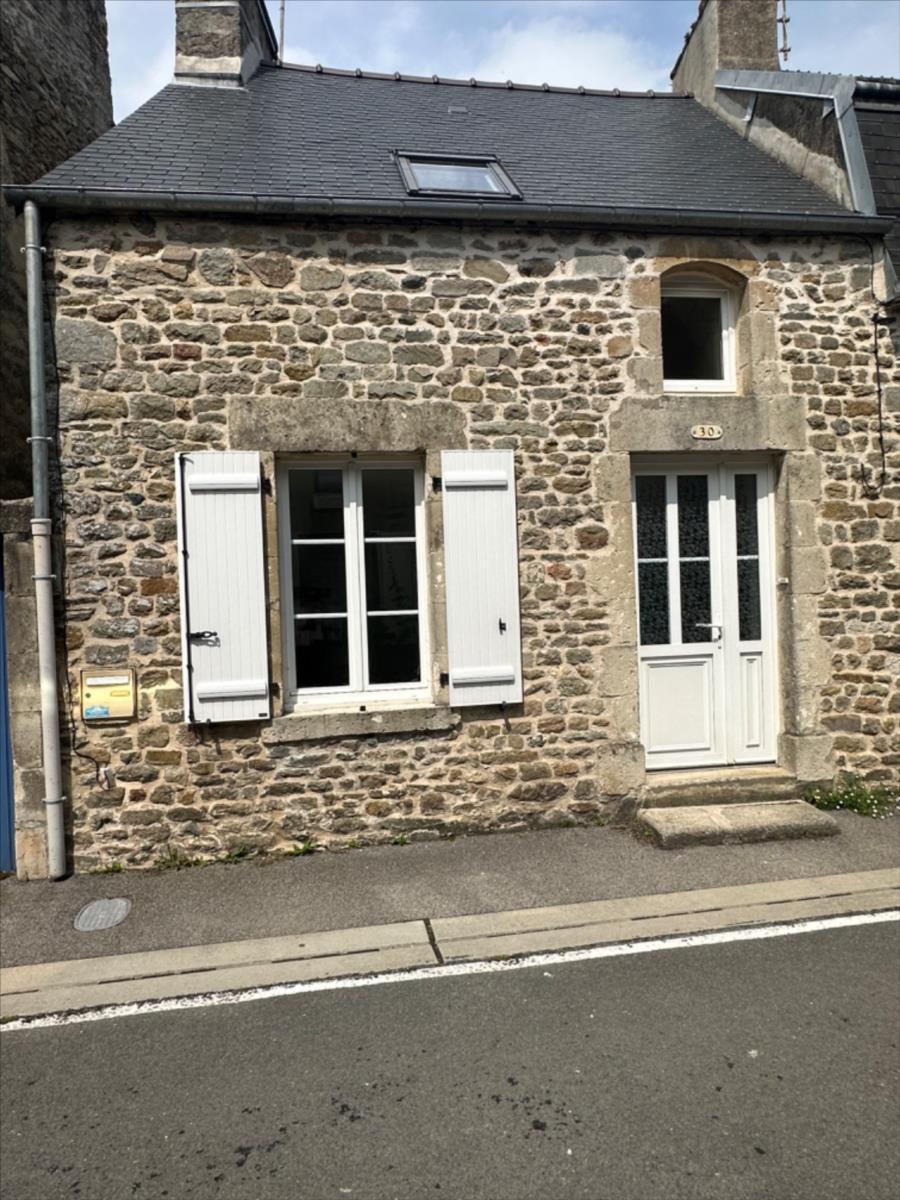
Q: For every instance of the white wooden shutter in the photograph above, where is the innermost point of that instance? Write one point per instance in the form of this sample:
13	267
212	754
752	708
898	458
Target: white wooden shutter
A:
482	577
223	587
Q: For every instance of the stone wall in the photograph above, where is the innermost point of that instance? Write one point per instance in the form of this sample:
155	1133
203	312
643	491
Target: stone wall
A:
180	334
54	99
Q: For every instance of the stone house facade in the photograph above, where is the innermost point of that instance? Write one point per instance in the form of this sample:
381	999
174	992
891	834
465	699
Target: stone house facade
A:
470	359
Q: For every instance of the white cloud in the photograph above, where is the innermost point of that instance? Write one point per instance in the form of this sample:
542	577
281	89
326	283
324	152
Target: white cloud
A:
295	53
569	53
845	36
132	89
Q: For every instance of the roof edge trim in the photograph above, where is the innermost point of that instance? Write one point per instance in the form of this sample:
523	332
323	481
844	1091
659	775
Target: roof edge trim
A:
725	221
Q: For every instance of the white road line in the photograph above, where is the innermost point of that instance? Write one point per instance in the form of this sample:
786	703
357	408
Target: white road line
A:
454	970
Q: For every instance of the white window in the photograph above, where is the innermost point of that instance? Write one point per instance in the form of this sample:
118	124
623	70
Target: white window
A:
353	581
697	335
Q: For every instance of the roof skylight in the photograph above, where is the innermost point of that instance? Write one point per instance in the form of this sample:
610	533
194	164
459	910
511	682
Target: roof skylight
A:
455	175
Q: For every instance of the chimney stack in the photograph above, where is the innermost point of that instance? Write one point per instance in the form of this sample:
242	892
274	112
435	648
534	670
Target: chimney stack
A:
220	43
739	35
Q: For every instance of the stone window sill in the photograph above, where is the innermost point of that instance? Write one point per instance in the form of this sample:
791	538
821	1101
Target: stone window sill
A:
311	726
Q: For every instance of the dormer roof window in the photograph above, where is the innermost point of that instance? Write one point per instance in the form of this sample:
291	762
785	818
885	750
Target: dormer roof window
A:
456	175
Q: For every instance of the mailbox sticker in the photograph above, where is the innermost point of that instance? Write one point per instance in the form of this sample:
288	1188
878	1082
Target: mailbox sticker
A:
96	710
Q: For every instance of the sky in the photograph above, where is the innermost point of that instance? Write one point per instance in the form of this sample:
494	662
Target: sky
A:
630	44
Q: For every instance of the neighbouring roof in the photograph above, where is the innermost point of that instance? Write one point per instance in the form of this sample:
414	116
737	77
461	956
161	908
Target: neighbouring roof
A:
878	117
307	139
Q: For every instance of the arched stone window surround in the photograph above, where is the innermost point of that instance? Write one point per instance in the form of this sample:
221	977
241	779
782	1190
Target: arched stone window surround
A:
713	280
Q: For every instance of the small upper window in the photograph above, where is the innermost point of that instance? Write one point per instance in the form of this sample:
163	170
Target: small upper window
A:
697	335
454	175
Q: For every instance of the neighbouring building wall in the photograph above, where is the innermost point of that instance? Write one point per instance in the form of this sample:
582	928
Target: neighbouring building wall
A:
55	99
178	334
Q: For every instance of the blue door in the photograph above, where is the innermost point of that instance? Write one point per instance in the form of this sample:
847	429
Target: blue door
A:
7	822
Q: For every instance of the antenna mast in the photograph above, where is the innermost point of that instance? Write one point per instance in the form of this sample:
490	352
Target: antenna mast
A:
783	21
281	32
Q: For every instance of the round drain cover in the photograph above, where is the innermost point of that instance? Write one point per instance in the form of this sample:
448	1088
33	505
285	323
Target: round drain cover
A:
102	914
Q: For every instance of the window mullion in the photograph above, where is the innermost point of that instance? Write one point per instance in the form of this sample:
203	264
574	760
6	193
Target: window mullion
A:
361	658
351	525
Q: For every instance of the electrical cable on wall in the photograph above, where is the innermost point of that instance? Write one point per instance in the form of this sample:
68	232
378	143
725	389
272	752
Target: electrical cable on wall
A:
872	489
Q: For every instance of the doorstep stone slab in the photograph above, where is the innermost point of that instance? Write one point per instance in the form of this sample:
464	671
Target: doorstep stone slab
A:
724	824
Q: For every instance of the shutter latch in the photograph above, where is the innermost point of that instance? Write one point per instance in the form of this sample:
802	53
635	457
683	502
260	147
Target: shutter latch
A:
502	625
203	635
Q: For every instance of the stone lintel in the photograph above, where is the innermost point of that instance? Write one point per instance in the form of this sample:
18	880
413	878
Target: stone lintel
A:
289	425
750	423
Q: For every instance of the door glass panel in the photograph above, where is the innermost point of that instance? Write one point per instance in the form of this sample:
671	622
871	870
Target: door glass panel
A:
653	587
695	604
745	514
693	556
317	504
650	493
322	652
693	516
747	531
653	571
750	629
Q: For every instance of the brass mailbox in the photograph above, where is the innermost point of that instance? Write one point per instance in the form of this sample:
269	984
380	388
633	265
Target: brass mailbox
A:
107	695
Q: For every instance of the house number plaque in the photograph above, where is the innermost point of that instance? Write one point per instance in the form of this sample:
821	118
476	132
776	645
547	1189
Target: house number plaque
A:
706	433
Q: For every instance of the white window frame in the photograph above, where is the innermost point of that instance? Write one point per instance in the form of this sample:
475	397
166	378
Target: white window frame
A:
357	693
704	288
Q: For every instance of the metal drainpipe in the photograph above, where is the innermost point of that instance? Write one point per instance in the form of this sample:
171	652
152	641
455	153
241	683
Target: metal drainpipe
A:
41	527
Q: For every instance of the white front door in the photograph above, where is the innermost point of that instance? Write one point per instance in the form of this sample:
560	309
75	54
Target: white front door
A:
705	614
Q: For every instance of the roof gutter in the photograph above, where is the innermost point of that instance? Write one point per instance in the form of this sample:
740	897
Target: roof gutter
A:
719	221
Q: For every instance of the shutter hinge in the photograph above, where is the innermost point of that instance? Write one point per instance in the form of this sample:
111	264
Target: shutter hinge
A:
266	485
437	483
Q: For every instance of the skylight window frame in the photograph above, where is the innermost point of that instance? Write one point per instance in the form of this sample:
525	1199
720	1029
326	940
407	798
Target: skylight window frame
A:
407	158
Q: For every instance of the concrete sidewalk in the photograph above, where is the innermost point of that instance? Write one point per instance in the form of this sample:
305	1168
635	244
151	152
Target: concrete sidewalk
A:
381	886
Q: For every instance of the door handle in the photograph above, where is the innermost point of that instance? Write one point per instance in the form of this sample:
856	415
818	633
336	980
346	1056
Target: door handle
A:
717	636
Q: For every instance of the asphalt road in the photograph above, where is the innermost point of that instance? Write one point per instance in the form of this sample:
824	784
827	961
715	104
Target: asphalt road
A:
760	1070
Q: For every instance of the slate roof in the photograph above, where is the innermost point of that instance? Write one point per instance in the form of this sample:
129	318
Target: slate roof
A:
318	135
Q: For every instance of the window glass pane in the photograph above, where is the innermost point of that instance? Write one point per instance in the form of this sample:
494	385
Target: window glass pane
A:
455	177
389	503
322	653
320	579
748	600
692	337
653	587
695	602
650	492
391	576
317	504
693	516
745	514
394	650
